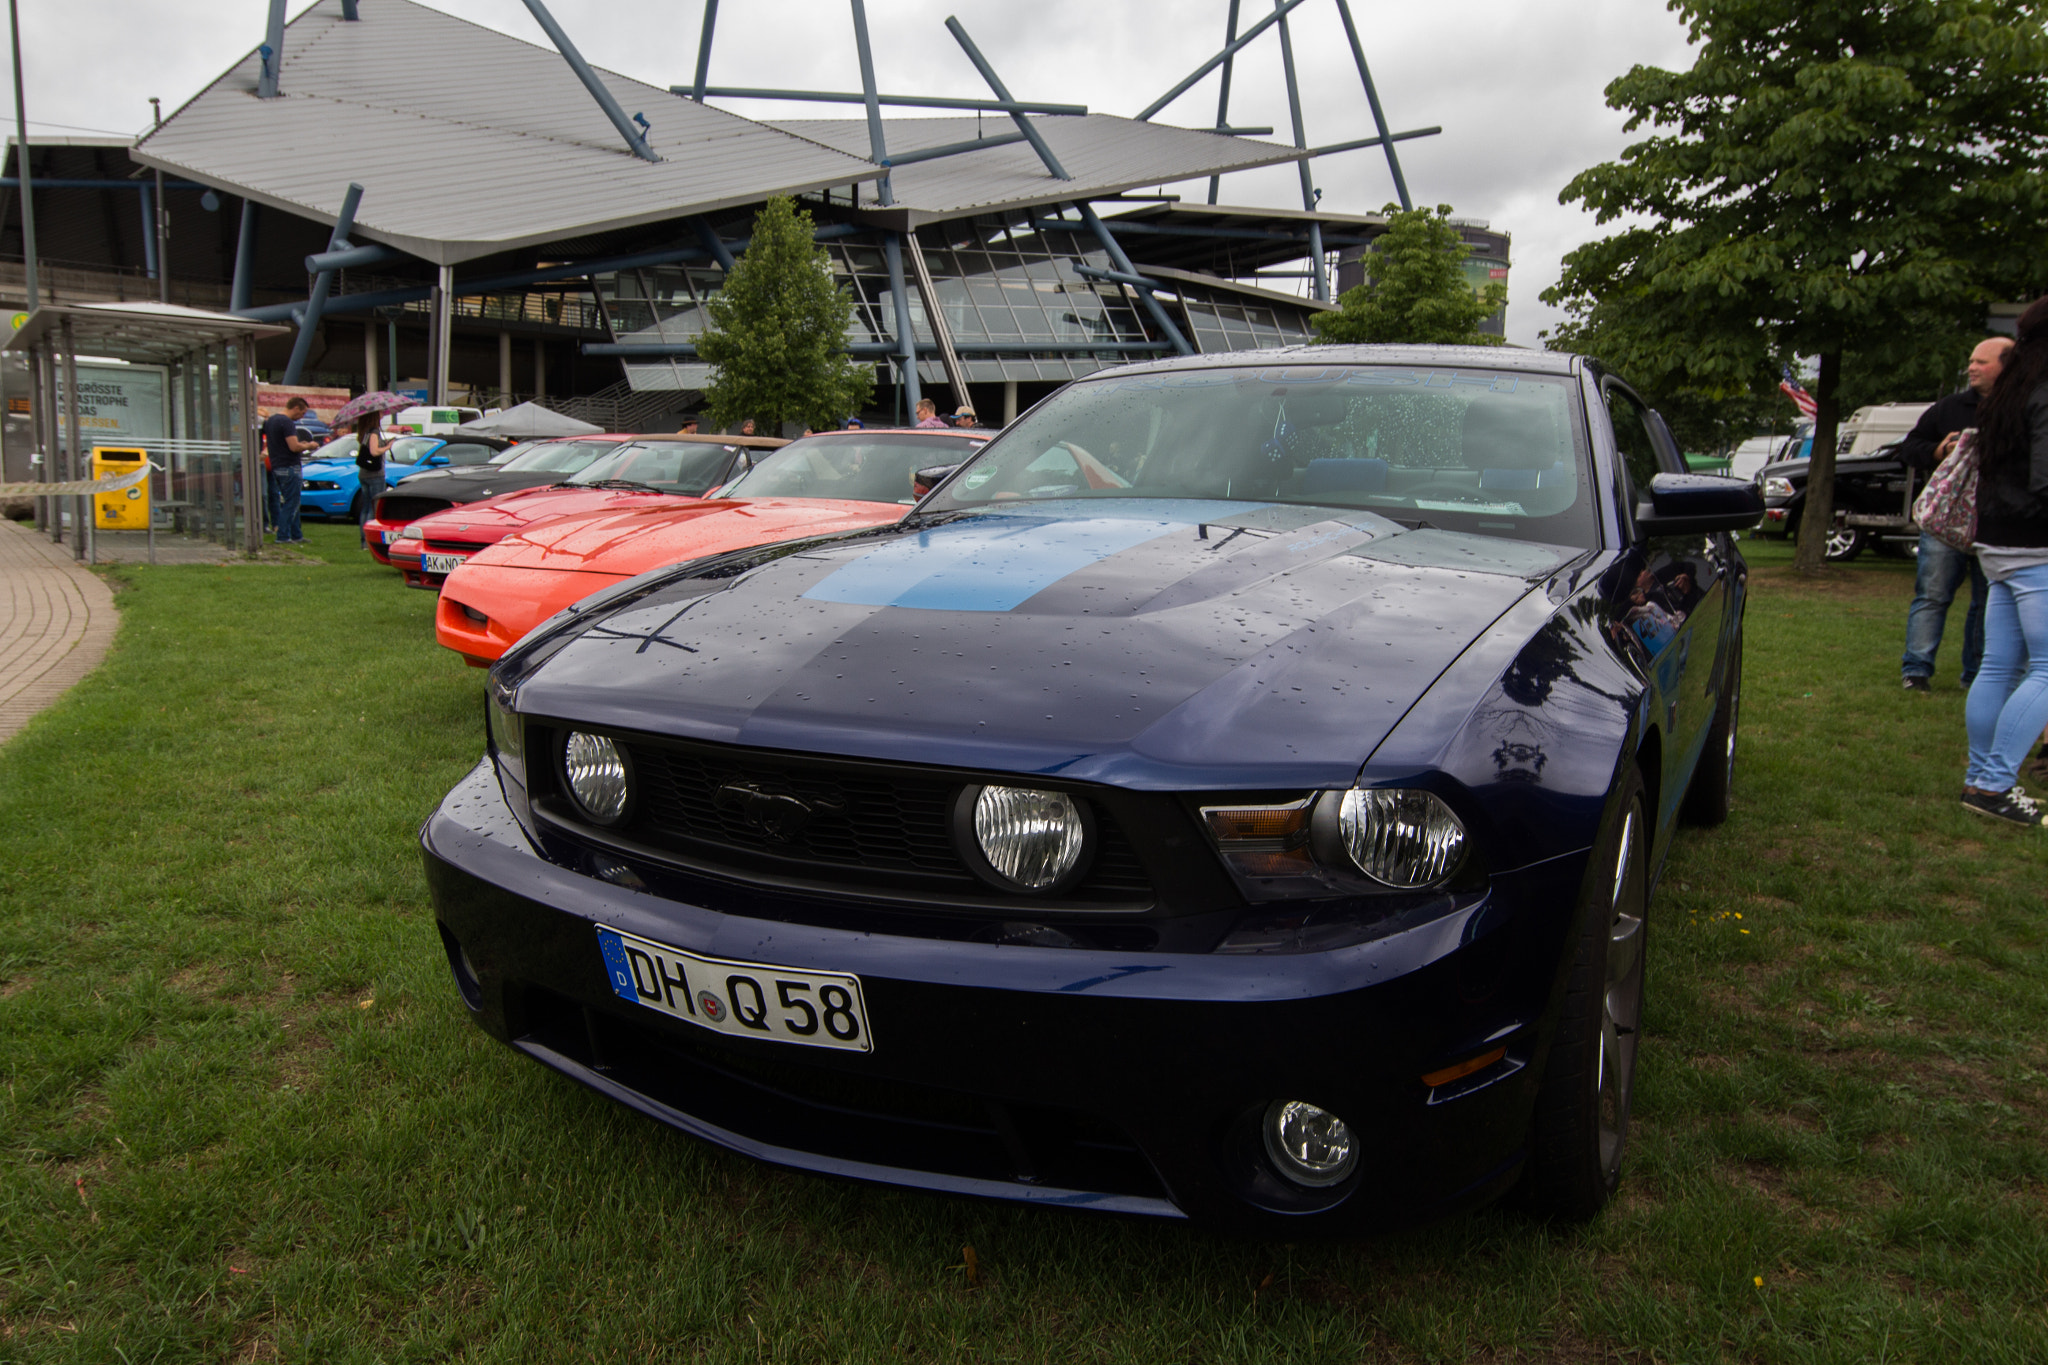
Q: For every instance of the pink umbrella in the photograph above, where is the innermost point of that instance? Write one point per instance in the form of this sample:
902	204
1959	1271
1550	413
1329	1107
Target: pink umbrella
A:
377	401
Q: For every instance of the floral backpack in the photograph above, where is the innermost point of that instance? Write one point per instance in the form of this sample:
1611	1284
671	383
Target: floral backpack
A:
1947	508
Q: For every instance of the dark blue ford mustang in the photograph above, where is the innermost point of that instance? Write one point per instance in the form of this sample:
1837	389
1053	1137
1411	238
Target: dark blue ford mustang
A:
1235	793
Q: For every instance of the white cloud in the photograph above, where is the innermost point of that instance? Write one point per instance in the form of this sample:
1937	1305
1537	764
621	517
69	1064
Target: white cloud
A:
1515	84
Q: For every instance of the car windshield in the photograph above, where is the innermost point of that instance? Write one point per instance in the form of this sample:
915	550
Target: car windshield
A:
340	448
690	467
871	468
468	453
1493	452
558	457
410	449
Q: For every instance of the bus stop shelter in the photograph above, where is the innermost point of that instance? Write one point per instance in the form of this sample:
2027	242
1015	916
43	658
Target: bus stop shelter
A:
207	470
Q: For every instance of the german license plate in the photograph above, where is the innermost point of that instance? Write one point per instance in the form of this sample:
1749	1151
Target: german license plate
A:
440	563
391	537
739	999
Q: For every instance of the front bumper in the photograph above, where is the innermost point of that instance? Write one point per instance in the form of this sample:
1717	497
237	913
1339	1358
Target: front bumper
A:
1127	1081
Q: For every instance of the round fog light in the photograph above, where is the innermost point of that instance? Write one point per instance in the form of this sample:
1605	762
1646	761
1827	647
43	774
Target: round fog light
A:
1307	1145
1033	839
596	774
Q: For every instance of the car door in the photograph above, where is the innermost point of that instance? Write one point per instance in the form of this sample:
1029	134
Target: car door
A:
1675	596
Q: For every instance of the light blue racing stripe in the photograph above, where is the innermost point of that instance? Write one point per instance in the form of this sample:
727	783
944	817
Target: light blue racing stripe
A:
987	564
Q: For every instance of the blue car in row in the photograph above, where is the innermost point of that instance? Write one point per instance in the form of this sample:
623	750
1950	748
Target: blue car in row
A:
334	485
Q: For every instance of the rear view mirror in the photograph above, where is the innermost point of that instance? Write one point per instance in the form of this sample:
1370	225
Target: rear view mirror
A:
925	480
1694	504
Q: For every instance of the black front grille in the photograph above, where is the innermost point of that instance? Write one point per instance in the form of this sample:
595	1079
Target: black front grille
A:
457	547
887	825
840	1113
403	508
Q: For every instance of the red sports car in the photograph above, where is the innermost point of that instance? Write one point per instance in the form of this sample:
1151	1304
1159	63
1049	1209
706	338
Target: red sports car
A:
819	485
646	469
532	465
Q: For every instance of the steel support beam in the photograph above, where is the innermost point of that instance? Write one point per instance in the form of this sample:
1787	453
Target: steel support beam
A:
636	142
878	147
1320	283
271	53
81	507
748	92
252	463
1372	98
349	257
1229	50
21	153
149	233
316	303
1123	263
348	11
697	89
444	308
952	149
906	339
995	83
714	244
941	333
1223	97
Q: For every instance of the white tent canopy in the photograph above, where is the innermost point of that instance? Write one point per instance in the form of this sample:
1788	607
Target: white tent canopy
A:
527	422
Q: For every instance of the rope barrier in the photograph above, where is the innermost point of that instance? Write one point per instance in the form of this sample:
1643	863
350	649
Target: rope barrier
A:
113	483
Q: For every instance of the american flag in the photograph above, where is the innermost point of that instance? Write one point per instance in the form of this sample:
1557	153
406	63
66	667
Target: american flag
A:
1801	399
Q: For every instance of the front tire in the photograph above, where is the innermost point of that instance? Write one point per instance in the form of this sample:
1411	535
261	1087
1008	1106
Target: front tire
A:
1580	1126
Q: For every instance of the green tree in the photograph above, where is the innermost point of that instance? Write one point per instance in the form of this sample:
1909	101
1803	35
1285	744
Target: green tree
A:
1823	181
1415	288
777	340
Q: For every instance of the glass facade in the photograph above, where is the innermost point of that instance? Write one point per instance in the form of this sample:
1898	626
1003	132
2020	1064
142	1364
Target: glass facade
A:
1224	320
995	278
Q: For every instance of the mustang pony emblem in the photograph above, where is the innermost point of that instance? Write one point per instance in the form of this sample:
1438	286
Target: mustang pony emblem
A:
778	815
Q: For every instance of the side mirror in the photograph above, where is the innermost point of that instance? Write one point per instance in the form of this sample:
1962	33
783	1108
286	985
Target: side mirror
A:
437	459
925	480
1694	504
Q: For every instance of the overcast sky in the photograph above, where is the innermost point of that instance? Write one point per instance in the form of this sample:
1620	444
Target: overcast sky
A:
1515	84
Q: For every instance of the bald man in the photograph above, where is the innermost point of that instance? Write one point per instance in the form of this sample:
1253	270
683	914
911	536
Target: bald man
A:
1942	566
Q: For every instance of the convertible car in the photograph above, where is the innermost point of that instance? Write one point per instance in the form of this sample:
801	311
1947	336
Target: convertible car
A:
1234	793
834	481
656	469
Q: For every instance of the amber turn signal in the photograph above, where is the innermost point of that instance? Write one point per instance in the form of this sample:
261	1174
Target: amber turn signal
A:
1463	1069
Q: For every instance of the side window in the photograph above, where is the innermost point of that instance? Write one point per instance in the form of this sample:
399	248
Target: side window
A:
1632	438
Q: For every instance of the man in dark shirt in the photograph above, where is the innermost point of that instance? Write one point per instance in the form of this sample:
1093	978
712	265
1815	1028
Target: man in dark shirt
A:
281	442
1942	566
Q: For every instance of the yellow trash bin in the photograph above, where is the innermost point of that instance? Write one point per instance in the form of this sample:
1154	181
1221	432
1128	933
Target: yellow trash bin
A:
127	510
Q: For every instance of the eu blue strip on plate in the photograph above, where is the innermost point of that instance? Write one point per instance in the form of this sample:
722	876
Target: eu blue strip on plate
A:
988	564
616	968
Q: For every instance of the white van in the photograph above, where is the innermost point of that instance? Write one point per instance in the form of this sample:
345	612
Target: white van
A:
1878	425
422	420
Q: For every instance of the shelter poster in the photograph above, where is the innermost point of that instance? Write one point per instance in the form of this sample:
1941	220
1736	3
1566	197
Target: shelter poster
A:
118	405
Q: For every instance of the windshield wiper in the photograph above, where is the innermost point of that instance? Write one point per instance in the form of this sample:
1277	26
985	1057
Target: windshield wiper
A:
628	485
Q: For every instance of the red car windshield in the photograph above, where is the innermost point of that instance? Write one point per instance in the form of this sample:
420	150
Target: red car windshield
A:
868	468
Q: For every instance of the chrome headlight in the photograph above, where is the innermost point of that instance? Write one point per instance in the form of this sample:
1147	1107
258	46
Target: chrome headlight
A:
1401	837
1776	487
507	734
1023	838
598	776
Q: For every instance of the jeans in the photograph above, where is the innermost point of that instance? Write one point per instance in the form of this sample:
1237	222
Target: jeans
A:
1942	569
269	500
373	484
2008	703
290	482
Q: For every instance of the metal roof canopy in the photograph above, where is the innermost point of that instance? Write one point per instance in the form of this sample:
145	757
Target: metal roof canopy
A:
1105	154
140	333
514	153
1226	238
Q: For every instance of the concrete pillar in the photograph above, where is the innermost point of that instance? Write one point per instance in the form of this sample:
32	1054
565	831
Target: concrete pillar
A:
540	368
444	307
369	355
505	368
1009	401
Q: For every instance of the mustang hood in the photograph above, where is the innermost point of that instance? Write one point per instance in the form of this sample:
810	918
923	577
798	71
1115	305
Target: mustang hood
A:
1166	645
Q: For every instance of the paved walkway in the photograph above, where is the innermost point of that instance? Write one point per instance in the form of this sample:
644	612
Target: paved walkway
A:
56	621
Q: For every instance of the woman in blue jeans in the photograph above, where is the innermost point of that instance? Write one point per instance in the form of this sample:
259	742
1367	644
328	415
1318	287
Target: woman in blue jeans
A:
2008	702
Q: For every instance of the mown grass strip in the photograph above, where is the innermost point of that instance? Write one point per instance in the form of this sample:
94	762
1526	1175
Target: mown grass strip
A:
245	1118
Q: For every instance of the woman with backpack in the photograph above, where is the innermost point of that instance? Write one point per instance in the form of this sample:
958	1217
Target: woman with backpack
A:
2008	703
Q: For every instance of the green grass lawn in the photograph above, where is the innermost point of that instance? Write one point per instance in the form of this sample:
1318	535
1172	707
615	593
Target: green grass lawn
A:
245	1117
